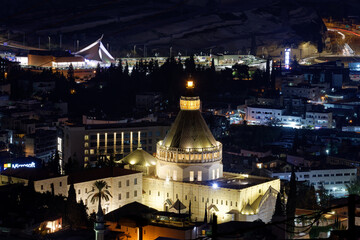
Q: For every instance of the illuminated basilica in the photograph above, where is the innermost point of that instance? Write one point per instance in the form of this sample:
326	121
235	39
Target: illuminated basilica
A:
187	174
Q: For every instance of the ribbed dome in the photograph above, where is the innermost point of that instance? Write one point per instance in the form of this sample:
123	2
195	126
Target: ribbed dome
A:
189	131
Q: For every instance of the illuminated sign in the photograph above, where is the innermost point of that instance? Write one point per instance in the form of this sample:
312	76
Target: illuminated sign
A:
287	58
17	165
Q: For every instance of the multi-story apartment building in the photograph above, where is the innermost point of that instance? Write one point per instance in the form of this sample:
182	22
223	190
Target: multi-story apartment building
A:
263	115
302	90
258	114
333	178
89	143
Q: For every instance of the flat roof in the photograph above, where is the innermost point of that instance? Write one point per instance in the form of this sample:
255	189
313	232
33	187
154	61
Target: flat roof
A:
231	181
98	173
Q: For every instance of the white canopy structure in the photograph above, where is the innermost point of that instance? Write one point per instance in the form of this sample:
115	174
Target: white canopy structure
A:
96	52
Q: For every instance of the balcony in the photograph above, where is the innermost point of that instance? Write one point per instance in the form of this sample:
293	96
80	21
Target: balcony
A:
189	155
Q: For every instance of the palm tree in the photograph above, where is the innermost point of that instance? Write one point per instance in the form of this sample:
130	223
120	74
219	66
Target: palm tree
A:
100	192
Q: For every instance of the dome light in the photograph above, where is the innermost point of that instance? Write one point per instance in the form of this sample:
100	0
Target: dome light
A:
190	84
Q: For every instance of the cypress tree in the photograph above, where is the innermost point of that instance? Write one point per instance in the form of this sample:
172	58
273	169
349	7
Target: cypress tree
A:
291	203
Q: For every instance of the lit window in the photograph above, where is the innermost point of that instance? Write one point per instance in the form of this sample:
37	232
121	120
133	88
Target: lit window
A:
191	176
127	183
86	144
92	151
86	137
86	152
175	175
199	178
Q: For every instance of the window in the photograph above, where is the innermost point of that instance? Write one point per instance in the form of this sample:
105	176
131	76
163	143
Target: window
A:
127	183
346	174
185	197
119	196
191	176
221	202
202	200
149	192
158	193
135	181
314	175
175	175
167	194
339	174
85	190
195	198
230	203
199	178
127	194
86	152
177	196
119	184
86	144
326	175
235	204
217	201
79	191
135	193
60	184
306	176
319	175
85	201
42	187
86	137
92	151
213	174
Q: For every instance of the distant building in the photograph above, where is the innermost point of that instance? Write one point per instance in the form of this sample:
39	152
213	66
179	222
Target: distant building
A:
266	115
88	143
332	178
302	91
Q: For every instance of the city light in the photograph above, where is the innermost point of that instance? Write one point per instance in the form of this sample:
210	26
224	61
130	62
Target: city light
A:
287	58
215	185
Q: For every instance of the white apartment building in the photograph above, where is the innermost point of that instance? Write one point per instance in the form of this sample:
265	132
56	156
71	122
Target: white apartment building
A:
262	115
333	179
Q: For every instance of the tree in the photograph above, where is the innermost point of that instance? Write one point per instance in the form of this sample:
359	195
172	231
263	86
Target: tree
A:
291	203
101	192
353	188
70	73
54	163
324	196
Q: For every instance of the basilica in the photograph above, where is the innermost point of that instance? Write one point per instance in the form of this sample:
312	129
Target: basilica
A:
186	175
